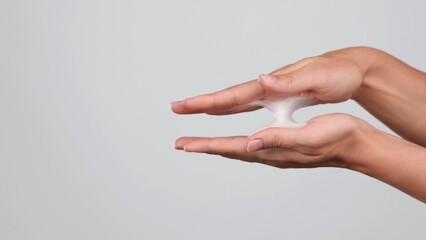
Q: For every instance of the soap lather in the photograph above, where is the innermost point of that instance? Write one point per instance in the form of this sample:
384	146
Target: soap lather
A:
283	110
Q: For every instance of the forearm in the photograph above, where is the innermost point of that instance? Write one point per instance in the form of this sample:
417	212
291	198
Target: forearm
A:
392	160
394	92
391	90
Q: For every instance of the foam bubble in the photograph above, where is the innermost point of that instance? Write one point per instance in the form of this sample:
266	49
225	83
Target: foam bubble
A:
283	111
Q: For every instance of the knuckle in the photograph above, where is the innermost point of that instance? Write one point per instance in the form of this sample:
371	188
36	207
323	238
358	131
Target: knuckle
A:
290	78
313	141
235	99
214	101
210	143
277	141
231	154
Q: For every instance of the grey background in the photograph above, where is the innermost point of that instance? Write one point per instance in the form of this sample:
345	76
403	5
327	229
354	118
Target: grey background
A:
86	131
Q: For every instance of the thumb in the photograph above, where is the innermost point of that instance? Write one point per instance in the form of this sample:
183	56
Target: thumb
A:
300	80
273	138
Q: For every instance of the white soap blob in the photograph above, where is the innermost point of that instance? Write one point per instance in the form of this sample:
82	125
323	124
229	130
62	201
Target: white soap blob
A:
283	110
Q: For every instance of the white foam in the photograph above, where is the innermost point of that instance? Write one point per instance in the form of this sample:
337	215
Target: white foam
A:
283	111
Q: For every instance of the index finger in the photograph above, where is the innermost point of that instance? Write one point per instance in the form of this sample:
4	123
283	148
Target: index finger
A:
226	99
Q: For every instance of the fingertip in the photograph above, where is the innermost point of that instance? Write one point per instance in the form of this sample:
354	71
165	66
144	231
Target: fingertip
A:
178	106
190	144
255	145
187	147
175	102
278	137
180	142
267	79
259	140
197	104
259	134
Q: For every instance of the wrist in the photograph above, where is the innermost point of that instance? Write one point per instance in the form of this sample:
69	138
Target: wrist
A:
355	151
390	159
366	59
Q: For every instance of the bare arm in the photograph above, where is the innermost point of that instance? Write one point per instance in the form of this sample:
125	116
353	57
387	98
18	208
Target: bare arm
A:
334	140
391	90
395	161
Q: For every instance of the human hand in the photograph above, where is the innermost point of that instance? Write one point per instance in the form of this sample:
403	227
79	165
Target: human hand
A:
331	77
331	140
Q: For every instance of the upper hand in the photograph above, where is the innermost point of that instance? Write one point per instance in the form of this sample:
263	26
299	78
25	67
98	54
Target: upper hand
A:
332	77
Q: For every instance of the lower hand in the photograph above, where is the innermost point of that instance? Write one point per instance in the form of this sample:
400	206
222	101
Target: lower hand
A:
329	140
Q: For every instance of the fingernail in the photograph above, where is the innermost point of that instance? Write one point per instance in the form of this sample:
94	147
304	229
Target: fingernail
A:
176	106
255	145
178	145
270	79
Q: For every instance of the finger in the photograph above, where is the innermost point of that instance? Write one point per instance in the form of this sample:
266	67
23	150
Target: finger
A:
235	148
301	80
230	147
180	142
294	66
270	138
226	99
237	109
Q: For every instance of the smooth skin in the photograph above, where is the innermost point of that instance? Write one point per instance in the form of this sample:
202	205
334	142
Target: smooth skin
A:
391	90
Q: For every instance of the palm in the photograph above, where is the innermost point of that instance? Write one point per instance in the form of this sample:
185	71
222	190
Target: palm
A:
315	145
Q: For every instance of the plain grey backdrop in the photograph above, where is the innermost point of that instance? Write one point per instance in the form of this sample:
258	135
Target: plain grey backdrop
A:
87	135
